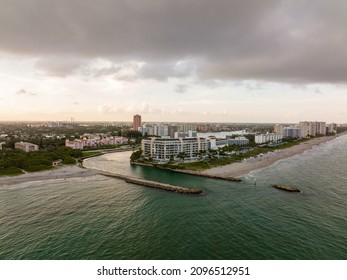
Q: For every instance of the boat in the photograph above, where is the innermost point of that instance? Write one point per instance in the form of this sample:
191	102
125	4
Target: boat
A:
286	188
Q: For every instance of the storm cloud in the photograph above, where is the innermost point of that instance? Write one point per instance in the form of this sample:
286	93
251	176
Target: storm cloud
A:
269	40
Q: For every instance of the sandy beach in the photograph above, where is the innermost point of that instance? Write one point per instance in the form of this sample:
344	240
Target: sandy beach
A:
57	173
242	168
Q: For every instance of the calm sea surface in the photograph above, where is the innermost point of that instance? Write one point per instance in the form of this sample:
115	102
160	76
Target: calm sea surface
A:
106	218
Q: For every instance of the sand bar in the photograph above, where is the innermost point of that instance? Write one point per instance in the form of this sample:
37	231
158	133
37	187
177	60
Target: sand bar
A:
56	173
243	168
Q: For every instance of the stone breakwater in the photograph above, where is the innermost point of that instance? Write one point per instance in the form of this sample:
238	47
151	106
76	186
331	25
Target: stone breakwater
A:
227	178
286	188
152	184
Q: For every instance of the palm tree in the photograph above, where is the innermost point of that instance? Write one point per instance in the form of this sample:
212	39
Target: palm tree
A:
181	155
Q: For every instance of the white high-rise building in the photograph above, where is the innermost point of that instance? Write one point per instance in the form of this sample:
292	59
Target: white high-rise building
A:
331	128
312	128
161	130
292	132
187	126
164	149
321	129
278	128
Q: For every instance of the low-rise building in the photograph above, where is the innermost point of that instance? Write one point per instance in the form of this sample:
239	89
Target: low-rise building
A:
113	140
214	143
57	162
94	141
241	141
76	144
184	134
26	146
267	138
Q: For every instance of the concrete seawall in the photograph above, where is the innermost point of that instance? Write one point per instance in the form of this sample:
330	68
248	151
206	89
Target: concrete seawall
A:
152	184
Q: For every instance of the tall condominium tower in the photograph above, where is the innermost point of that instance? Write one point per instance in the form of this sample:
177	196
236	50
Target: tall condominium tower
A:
136	122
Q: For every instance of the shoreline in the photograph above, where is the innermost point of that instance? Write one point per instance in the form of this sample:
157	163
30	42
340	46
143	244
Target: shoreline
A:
63	172
230	172
233	171
60	172
239	169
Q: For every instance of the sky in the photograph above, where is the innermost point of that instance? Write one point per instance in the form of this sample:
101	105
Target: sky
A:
183	60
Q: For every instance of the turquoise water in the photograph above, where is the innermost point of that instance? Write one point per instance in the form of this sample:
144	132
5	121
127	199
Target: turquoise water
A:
106	218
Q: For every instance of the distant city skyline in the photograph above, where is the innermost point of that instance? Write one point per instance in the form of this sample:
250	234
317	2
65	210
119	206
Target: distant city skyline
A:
175	61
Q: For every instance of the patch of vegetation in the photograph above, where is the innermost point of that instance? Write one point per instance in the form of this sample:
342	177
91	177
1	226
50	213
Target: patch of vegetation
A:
10	171
136	135
198	165
341	129
35	168
88	154
13	160
102	147
136	155
172	166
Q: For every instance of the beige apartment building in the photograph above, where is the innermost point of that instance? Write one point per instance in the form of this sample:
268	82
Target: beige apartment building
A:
26	146
312	128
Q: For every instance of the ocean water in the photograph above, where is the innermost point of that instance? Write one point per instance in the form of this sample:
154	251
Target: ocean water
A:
106	218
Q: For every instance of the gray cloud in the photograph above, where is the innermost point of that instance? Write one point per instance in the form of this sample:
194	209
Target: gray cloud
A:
60	66
163	70
287	41
24	92
132	70
181	88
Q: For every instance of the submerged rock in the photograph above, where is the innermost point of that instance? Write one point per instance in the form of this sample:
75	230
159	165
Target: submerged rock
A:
286	188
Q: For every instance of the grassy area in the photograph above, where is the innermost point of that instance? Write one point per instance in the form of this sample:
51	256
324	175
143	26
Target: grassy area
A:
36	168
91	153
10	171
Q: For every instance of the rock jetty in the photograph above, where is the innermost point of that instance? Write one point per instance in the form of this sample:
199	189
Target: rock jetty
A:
152	184
286	188
227	178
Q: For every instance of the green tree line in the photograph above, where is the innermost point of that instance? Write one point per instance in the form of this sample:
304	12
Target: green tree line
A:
12	161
